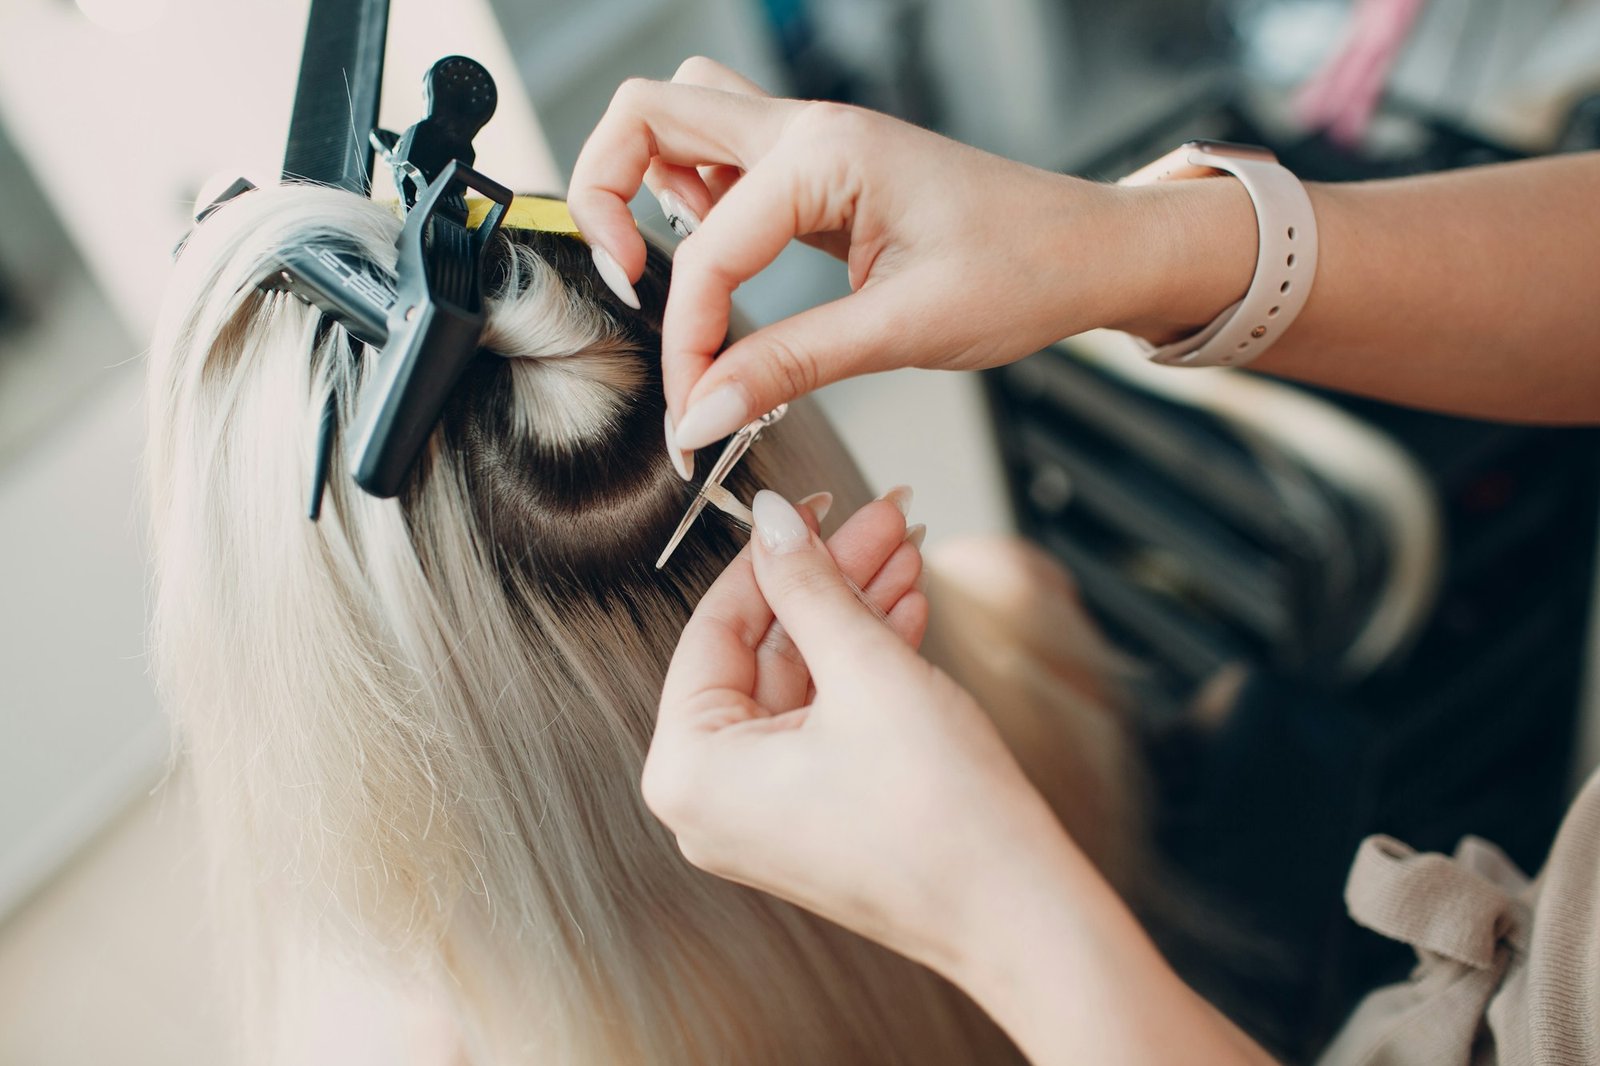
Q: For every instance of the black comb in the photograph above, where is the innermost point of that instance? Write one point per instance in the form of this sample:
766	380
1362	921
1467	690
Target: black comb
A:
336	100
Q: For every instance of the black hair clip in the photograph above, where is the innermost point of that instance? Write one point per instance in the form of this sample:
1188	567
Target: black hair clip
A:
425	322
435	322
461	99
426	327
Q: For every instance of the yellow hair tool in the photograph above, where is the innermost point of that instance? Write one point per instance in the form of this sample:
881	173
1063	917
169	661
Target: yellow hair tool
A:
542	213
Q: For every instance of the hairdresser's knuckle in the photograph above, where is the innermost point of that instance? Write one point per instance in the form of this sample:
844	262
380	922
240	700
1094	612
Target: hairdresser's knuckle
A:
792	369
691	258
632	94
667	791
823	122
700	855
698	69
701	262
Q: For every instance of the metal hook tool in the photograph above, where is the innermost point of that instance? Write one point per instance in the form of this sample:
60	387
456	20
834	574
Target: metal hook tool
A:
737	445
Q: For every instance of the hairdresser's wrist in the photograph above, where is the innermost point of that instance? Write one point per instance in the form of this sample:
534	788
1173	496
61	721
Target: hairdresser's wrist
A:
1042	947
1192	246
1021	889
1062	965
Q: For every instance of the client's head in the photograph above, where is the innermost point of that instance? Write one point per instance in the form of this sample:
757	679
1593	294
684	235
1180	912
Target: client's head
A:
415	726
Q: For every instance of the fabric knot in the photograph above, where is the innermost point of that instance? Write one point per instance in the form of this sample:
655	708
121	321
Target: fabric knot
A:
1457	908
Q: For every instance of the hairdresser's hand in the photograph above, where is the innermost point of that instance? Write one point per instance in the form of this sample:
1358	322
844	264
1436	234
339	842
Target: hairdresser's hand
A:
871	799
958	259
886	801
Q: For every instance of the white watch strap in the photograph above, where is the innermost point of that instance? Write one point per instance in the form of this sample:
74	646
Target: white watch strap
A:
1286	259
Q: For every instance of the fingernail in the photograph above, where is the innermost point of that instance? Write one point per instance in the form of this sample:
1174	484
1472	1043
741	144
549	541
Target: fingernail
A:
682	220
713	417
611	273
900	496
682	461
916	535
820	503
780	526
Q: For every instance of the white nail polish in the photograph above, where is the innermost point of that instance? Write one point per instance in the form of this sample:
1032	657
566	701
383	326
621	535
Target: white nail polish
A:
916	535
682	220
779	525
611	273
820	503
682	461
713	417
900	496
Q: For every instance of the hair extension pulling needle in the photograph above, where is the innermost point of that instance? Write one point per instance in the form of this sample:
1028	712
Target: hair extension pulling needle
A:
712	491
737	445
729	504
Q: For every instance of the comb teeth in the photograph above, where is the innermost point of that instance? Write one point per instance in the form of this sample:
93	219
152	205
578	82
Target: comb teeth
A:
336	99
452	265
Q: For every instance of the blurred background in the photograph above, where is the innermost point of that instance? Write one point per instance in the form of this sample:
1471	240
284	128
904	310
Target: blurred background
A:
1351	618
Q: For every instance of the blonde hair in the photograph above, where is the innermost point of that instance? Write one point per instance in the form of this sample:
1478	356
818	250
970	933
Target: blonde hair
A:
415	727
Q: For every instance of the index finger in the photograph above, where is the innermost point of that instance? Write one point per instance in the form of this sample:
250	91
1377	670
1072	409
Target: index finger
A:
687	125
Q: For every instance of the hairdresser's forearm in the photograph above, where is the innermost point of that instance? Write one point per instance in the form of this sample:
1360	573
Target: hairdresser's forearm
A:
1054	956
1471	292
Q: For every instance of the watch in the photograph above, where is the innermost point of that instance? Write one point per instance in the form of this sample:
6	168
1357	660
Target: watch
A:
1286	256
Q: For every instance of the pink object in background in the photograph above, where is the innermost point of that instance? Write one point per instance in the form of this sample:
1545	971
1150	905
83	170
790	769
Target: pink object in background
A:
1343	95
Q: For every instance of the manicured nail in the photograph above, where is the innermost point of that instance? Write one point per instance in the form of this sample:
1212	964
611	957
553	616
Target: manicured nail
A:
682	461
780	526
900	496
916	535
611	273
820	503
682	220
713	417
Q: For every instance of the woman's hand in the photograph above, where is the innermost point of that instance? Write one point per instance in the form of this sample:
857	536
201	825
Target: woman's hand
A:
819	758
805	749
958	259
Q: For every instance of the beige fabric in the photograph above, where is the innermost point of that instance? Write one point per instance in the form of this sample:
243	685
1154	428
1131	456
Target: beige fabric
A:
1508	969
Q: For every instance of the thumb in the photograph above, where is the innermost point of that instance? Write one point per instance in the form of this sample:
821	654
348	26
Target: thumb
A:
783	362
833	630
